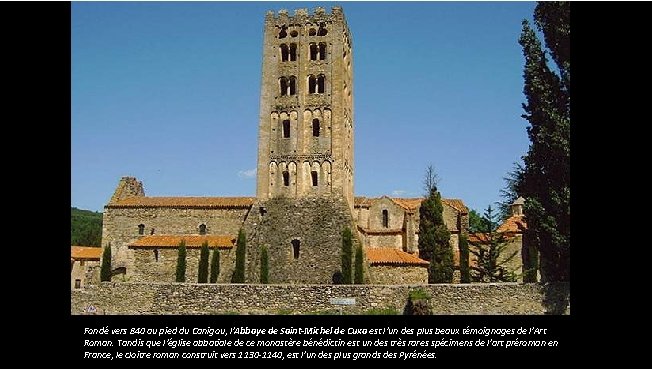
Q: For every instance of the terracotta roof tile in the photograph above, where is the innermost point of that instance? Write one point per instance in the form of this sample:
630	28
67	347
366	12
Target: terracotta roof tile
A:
361	201
386	256
193	241
513	224
412	203
183	202
85	253
483	238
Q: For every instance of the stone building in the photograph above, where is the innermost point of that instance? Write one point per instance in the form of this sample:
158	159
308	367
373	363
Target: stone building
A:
304	192
84	265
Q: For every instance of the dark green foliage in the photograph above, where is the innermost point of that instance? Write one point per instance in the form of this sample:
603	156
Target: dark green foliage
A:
509	193
215	265
181	262
465	272
491	267
264	266
105	271
202	271
347	253
359	266
546	176
475	221
240	254
530	260
434	239
85	227
418	303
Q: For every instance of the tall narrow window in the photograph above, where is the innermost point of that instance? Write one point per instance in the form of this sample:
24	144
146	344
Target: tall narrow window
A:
286	178
202	229
385	219
78	283
284	52
296	245
322	31
286	128
293	52
141	229
312	84
293	85
283	85
315	127
321	82
322	51
313	52
156	254
283	33
313	174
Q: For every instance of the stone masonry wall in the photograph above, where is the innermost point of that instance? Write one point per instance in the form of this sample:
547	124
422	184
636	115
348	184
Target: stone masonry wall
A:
381	274
191	298
148	269
120	226
317	224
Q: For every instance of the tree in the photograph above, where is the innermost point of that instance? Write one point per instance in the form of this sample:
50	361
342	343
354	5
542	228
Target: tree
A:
240	254
475	221
491	266
546	176
202	272
509	192
359	266
105	270
434	237
264	267
430	179
181	262
215	265
347	253
465	273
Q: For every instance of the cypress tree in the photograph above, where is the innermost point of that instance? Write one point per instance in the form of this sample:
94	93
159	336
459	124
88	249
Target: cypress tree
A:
434	239
347	253
465	273
240	254
546	177
215	265
264	267
202	272
105	271
181	262
359	266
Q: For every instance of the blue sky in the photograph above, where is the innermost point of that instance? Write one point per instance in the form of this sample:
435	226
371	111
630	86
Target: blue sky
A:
168	92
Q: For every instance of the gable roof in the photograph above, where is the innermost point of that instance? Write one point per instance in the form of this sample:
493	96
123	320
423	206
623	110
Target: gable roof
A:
85	253
411	203
513	224
184	202
193	241
393	257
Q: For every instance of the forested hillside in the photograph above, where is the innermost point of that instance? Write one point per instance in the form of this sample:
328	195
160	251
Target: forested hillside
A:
85	227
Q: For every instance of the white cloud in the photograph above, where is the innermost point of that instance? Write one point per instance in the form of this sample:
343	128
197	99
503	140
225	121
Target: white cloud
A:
399	192
251	173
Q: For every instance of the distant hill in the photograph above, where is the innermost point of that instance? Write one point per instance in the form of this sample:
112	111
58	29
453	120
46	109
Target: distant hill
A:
85	227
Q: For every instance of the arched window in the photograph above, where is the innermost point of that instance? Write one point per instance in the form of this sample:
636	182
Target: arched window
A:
322	51
315	127
293	86
284	52
312	84
313	51
296	245
321	83
294	33
322	31
156	254
286	128
385	218
293	52
283	85
202	229
312	32
314	177
141	229
286	178
283	32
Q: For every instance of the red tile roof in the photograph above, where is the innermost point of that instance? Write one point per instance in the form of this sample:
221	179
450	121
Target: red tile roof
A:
85	253
192	241
386	256
483	238
513	224
184	202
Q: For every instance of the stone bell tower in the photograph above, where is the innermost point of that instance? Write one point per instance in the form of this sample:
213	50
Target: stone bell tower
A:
305	142
305	148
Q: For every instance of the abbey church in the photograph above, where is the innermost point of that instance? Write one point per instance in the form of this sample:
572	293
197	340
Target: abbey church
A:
305	182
